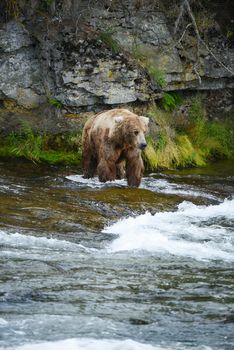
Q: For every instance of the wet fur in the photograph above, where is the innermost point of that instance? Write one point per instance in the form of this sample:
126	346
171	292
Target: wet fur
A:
110	147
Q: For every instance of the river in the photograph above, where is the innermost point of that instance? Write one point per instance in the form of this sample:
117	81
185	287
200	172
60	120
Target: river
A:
94	266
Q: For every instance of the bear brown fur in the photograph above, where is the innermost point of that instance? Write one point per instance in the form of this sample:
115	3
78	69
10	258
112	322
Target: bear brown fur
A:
112	143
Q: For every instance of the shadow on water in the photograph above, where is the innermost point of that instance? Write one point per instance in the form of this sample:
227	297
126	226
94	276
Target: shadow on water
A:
107	263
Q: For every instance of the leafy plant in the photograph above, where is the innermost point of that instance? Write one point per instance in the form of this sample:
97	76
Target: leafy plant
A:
170	100
56	103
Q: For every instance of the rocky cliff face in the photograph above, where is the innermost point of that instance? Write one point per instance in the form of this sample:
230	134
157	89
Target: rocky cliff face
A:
85	57
20	77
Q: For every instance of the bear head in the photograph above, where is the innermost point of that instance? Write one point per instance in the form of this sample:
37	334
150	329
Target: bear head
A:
133	130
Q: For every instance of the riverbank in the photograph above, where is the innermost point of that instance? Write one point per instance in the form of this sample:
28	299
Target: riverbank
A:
64	61
181	135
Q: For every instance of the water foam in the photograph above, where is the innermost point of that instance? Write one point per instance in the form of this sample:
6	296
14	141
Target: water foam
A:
18	240
191	231
94	182
148	183
103	344
12	188
164	186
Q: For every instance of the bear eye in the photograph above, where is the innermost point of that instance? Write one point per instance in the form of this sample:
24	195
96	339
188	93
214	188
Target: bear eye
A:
136	132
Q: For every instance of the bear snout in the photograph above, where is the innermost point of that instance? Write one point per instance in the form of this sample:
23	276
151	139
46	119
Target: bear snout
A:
142	145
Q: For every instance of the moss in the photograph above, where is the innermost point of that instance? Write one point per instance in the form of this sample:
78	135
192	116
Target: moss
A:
55	103
71	115
205	21
56	157
9	105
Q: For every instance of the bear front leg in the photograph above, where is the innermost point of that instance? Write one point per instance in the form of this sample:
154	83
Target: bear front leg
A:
107	167
89	167
89	163
106	170
120	170
134	168
89	156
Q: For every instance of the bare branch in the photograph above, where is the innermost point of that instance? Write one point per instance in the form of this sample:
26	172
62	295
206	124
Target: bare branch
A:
197	74
182	36
181	12
193	19
185	3
216	59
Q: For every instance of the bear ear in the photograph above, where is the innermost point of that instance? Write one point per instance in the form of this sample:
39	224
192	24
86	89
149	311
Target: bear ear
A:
145	120
118	119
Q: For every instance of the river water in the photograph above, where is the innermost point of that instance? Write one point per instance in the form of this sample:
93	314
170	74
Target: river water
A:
97	266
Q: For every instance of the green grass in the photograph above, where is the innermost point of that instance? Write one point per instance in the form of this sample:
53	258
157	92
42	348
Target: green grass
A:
53	149
195	142
156	74
214	138
23	144
107	38
144	59
199	142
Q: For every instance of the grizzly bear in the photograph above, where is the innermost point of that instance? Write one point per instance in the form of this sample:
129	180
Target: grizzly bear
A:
112	144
